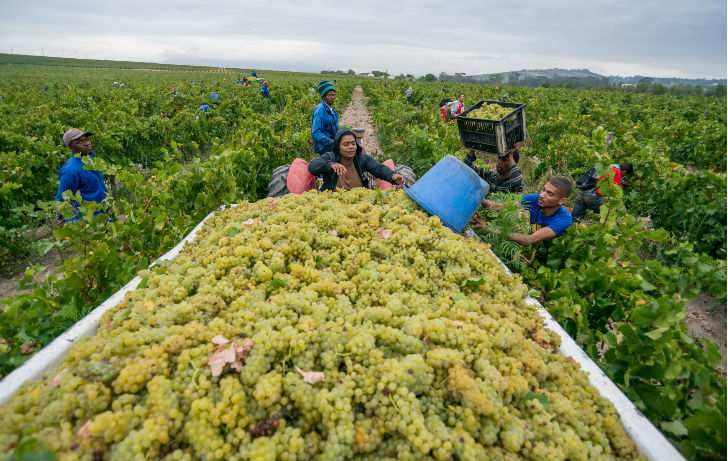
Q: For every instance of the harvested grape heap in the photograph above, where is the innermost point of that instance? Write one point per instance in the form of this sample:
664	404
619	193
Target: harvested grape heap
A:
490	112
324	327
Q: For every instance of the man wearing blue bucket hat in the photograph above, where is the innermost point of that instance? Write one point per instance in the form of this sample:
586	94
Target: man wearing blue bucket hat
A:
548	216
325	120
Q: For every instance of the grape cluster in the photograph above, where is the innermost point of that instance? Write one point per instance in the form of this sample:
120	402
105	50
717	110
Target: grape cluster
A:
490	112
427	349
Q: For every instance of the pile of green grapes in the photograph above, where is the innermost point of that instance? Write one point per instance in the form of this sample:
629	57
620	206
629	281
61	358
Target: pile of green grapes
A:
323	326
490	112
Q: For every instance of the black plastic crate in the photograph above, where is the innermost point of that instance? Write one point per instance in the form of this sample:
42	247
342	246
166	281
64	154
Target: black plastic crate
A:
494	136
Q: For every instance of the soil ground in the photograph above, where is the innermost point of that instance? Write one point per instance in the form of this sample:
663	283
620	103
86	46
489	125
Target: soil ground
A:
357	115
706	318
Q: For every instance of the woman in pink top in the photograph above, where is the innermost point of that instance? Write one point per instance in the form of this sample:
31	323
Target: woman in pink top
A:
458	106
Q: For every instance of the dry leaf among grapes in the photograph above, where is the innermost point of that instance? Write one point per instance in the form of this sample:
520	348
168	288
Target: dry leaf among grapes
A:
311	377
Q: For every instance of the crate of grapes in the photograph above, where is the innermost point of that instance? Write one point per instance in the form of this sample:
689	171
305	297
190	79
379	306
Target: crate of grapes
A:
493	126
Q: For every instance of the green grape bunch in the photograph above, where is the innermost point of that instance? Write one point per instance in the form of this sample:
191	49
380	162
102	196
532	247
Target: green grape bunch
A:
495	225
490	112
323	326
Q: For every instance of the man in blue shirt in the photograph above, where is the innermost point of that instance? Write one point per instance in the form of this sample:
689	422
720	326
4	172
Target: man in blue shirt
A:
74	176
325	120
549	217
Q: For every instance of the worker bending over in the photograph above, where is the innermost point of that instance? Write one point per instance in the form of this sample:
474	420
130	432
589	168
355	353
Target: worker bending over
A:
548	216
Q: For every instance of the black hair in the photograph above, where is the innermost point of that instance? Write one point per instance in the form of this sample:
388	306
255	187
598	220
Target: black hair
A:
626	168
562	183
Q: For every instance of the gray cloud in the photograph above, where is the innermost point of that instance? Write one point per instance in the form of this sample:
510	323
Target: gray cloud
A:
659	38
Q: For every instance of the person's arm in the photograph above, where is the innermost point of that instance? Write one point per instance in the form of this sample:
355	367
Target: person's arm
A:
544	233
486	175
492	205
67	181
321	165
377	169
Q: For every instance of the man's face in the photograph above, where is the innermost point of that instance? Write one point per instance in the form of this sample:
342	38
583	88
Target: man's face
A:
347	146
330	97
503	164
550	196
461	98
82	145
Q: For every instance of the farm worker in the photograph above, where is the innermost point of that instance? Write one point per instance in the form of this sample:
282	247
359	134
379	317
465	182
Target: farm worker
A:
204	108
507	177
548	216
344	166
264	90
254	73
588	196
74	175
408	94
458	106
445	110
325	120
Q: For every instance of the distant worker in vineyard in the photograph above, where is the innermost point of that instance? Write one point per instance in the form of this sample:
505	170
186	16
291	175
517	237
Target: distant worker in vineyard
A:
75	176
325	120
548	216
264	90
344	166
507	176
457	107
445	109
408	94
588	196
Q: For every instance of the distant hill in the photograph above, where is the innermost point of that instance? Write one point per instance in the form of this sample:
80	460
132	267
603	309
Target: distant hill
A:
576	77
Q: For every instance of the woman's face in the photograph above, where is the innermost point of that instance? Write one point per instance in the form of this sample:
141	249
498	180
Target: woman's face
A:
347	146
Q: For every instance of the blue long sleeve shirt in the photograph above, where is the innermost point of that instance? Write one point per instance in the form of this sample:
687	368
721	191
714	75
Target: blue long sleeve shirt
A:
74	177
324	125
264	91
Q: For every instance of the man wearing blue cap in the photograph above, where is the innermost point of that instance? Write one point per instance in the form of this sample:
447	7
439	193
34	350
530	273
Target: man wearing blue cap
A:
325	120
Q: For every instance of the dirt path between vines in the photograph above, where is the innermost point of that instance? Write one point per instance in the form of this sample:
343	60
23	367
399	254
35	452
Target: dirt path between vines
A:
706	318
9	282
357	115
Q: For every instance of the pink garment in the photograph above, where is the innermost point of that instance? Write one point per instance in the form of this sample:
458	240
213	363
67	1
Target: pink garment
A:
382	184
299	179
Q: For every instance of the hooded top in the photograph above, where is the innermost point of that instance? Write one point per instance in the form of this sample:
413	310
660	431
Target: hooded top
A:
72	176
321	166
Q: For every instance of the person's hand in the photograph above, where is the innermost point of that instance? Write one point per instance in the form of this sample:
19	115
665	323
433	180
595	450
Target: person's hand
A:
338	168
488	203
398	179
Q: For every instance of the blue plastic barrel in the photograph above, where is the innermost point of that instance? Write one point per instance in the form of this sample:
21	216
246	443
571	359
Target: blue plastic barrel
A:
450	190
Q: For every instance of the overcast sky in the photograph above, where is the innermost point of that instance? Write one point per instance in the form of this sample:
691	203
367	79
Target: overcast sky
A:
668	38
